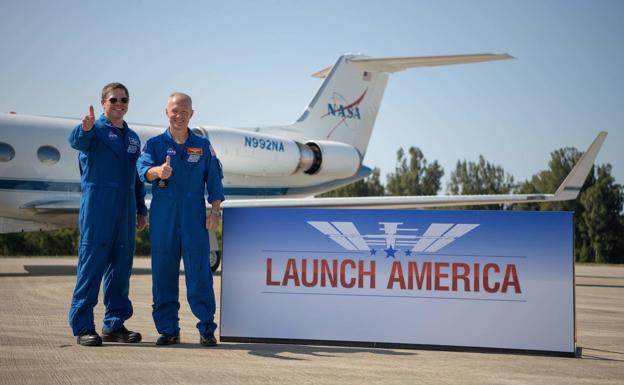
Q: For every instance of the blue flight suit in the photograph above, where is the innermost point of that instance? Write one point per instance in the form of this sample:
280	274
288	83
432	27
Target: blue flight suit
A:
178	227
112	196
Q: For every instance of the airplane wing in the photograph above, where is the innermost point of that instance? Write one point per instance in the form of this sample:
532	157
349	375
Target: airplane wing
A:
69	205
65	205
568	190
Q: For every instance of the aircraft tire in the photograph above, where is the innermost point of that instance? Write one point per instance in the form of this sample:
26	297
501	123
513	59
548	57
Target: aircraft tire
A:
215	260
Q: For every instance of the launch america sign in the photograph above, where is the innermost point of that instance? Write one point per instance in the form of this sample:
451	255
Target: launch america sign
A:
471	279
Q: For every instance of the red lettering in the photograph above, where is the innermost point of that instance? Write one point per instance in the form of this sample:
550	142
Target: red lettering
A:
291	273
332	274
463	276
304	273
343	278
362	273
476	277
396	275
439	275
486	278
412	274
510	271
269	281
446	276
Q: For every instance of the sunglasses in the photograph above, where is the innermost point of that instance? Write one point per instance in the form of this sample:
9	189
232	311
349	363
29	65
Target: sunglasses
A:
114	100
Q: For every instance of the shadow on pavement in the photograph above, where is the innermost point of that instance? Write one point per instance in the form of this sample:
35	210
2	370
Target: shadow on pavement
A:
69	270
597	358
58	270
597	285
278	351
599	276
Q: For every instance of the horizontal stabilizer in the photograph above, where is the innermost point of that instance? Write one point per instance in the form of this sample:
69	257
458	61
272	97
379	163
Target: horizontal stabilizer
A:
395	64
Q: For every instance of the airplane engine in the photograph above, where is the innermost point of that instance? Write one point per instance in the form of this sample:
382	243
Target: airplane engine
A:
258	154
333	159
255	154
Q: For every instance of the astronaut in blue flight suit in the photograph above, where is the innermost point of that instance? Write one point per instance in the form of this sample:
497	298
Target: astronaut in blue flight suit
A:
182	166
111	206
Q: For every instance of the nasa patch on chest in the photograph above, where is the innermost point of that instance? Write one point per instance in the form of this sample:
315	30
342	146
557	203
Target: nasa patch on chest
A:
112	135
193	158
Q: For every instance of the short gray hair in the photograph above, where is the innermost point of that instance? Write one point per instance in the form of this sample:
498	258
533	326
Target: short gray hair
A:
183	96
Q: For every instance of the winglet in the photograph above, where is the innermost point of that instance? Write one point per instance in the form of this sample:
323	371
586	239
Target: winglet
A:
572	184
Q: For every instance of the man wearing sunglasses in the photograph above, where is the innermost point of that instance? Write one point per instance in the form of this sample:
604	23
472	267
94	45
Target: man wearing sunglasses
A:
112	206
182	168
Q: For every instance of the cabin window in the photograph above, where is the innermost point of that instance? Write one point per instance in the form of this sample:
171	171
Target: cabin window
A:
48	155
6	152
198	131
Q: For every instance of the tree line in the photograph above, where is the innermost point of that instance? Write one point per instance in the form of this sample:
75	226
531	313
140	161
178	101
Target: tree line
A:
598	217
61	242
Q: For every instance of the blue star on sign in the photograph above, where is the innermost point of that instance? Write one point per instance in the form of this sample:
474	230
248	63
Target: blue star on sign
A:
390	252
373	252
408	252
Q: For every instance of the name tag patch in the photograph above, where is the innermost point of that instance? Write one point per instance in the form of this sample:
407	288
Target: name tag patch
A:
133	141
193	158
132	149
195	151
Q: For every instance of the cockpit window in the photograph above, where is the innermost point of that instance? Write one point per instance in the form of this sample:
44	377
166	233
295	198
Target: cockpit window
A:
48	155
6	152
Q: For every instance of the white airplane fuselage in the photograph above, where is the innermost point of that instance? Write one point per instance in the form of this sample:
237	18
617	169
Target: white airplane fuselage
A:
44	168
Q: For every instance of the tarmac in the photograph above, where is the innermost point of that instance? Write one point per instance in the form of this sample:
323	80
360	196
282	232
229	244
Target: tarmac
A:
36	345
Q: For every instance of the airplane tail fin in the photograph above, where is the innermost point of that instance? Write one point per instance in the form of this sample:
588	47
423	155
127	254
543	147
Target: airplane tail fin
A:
345	107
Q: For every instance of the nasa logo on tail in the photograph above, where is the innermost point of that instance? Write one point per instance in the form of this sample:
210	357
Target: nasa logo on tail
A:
339	107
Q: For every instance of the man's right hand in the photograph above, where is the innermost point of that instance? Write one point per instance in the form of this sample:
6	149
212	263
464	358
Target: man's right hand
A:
165	170
88	120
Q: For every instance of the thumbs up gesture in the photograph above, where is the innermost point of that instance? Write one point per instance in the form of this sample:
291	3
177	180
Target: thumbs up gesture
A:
88	120
165	170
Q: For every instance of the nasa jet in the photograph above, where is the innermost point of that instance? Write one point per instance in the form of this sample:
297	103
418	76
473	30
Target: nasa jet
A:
277	166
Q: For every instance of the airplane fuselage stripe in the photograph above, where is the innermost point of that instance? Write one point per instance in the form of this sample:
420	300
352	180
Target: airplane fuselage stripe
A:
34	185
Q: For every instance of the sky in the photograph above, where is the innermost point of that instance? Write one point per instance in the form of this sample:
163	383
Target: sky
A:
248	64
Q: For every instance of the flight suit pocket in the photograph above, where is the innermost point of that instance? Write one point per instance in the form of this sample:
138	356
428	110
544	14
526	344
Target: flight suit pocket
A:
98	212
195	209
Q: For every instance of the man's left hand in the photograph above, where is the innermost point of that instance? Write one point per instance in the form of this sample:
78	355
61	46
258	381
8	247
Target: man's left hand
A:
141	222
212	222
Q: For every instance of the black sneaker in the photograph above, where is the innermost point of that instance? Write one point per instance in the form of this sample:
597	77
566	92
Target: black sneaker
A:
121	335
167	339
207	339
90	338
